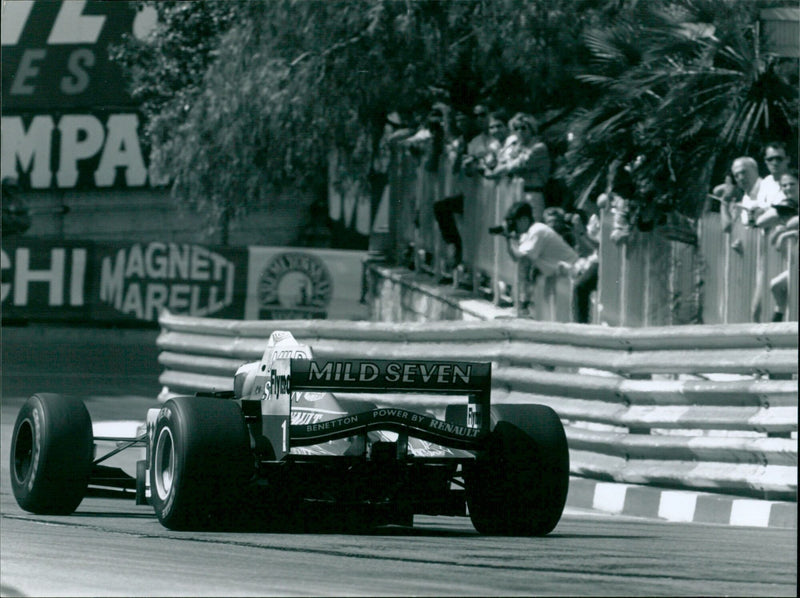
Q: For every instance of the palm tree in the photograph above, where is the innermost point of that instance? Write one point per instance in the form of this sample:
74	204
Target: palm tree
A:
685	85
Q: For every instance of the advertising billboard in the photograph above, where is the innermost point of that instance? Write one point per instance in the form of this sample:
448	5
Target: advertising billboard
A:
131	283
138	281
68	121
287	283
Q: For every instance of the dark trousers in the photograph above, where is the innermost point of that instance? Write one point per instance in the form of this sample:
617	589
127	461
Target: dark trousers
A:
581	293
445	211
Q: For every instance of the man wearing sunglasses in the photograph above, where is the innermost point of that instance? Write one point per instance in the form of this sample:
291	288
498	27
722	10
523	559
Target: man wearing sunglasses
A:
777	164
770	197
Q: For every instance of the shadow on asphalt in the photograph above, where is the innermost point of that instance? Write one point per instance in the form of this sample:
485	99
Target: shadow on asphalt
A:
114	515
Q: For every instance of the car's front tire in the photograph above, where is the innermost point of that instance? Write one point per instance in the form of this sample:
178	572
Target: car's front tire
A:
51	454
200	462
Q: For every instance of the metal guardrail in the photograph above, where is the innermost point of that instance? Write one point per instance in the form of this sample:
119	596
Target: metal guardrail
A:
640	405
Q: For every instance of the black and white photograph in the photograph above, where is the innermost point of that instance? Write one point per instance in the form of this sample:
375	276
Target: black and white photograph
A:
399	297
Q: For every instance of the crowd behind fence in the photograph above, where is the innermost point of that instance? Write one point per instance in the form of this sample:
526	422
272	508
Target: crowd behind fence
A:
649	280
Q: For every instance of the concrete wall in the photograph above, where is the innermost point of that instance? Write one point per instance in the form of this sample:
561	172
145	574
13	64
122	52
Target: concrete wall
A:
398	295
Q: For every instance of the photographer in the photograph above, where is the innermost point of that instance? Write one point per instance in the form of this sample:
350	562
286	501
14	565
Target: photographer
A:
536	243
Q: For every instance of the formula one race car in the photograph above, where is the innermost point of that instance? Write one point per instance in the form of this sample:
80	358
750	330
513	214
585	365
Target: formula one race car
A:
281	446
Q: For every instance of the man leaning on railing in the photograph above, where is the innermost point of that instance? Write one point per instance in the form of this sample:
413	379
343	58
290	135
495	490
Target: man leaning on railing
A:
783	232
764	205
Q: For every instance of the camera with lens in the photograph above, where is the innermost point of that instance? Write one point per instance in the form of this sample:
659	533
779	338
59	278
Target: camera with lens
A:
506	229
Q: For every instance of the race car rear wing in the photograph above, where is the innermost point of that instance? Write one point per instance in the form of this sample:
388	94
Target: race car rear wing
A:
376	375
472	379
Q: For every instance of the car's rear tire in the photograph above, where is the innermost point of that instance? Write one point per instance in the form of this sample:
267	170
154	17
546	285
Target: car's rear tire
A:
51	454
200	462
519	485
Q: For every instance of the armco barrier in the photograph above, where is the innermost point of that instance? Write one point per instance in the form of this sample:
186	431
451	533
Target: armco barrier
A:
687	429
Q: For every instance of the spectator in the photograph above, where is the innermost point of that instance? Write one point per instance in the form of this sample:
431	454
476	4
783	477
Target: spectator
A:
779	286
456	142
482	157
429	141
481	144
525	156
727	194
428	144
745	172
619	198
16	216
758	206
537	243
478	148
757	198
393	131
556	218
444	210
777	162
557	194
773	196
504	152
779	215
584	273
791	202
498	131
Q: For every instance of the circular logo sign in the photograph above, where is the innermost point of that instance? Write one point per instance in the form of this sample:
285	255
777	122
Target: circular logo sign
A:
294	285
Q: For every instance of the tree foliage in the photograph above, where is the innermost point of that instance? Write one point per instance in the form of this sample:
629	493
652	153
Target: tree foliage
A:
685	85
244	98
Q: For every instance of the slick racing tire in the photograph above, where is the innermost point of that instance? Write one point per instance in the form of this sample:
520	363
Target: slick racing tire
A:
200	462
51	454
518	487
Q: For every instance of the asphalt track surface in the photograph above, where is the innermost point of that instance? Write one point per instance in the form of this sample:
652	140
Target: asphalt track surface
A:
115	548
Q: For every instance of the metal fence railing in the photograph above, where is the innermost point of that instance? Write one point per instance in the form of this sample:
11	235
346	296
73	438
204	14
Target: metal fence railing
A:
650	280
739	264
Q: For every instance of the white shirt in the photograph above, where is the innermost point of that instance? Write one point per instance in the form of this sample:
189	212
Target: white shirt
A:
765	194
770	191
545	248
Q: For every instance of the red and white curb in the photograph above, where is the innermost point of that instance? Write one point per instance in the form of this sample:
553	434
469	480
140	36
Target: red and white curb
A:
679	505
